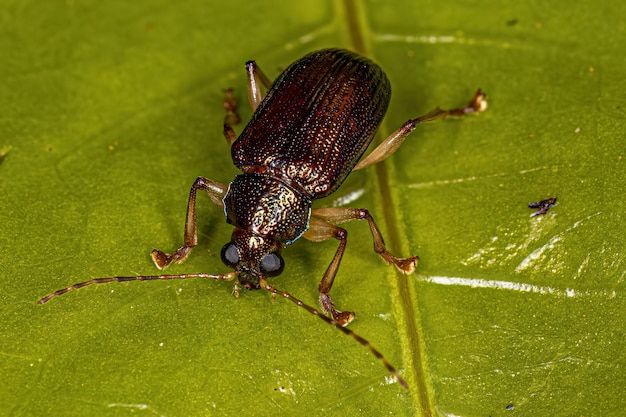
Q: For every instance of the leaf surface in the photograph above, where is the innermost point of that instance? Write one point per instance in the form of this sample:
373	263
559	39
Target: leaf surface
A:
110	110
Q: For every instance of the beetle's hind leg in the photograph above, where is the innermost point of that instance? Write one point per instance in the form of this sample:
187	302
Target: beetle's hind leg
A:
322	227
391	144
216	191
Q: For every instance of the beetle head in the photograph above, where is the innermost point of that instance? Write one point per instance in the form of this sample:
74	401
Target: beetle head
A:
252	256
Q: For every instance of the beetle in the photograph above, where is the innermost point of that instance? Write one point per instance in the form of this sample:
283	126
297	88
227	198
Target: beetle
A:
306	135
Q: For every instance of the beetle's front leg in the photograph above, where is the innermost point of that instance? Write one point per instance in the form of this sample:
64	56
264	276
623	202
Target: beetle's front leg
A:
216	192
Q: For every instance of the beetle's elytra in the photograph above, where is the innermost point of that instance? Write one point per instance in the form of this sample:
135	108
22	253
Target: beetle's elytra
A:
307	134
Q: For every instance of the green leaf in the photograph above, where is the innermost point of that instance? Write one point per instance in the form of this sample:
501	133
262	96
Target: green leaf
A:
110	110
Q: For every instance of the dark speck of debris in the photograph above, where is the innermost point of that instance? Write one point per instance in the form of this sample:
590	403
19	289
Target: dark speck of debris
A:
512	22
543	205
509	407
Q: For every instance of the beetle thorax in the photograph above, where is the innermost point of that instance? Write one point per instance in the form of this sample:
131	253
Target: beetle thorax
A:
267	208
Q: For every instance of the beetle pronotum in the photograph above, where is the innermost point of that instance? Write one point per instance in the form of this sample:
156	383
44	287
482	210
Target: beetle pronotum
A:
307	134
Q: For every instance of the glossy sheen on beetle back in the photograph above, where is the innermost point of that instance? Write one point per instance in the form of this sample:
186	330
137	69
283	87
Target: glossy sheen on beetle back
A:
315	122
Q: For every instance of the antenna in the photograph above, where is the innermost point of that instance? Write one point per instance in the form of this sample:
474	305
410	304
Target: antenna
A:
229	277
219	277
332	322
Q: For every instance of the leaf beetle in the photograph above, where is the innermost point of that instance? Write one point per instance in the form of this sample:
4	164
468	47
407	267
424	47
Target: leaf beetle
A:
307	134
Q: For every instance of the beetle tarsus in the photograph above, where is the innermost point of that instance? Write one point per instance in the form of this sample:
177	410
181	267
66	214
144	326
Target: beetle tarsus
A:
404	265
477	104
343	318
162	260
479	101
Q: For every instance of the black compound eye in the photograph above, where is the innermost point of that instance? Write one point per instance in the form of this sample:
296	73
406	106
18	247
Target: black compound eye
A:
272	264
230	254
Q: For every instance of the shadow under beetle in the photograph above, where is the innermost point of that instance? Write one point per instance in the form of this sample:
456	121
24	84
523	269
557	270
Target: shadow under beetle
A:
307	134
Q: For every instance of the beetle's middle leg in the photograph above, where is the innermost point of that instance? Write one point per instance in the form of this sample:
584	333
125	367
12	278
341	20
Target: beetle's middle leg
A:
322	227
216	192
393	142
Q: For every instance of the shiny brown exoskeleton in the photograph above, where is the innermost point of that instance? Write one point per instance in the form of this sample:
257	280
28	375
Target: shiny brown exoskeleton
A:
307	134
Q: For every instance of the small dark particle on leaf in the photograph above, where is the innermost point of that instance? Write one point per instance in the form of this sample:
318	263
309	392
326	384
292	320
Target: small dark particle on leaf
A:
543	205
512	22
509	407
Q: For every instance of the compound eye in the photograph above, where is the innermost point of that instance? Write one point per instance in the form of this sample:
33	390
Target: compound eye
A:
272	264
230	254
